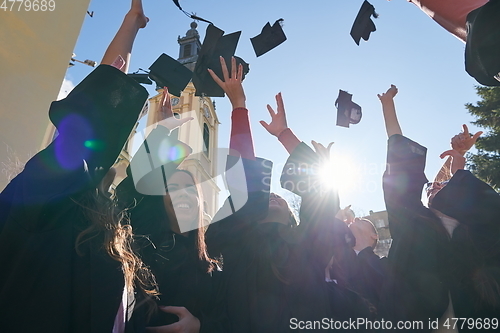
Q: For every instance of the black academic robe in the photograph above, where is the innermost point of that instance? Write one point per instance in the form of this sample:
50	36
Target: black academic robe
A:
427	264
417	283
475	268
45	286
272	272
183	279
369	274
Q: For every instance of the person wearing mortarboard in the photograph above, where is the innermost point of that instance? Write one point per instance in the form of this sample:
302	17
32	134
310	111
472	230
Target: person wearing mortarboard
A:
64	247
444	259
476	23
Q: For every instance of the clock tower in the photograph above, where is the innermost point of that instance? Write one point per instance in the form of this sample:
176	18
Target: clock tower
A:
201	133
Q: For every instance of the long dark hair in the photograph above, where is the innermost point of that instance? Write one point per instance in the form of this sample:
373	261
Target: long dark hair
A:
201	246
112	224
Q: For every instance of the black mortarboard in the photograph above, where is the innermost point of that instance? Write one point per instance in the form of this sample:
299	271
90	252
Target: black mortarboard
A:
482	49
269	38
363	25
141	78
168	72
348	112
215	45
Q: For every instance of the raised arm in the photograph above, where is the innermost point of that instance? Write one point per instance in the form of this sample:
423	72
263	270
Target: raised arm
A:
391	120
241	134
278	126
120	49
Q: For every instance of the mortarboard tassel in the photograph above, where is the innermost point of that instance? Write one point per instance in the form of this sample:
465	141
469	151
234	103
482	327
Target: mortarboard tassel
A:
194	17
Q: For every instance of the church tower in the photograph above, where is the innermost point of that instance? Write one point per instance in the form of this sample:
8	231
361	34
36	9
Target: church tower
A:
201	133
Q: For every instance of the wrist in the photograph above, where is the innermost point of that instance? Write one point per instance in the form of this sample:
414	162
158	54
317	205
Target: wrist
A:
238	104
279	133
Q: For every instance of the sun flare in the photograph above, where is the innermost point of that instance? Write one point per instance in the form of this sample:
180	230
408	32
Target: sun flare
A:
339	172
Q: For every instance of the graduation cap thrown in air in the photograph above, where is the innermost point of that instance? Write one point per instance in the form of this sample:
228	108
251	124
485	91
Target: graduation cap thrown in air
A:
363	25
348	112
214	45
269	38
168	72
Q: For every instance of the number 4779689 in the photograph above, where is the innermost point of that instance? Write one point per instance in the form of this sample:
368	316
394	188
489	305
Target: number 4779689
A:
28	5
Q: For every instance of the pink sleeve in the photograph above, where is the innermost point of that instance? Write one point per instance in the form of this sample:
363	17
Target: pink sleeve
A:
450	14
288	140
241	134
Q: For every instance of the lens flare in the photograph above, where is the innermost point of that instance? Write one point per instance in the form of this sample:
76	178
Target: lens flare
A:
94	144
339	173
71	146
168	153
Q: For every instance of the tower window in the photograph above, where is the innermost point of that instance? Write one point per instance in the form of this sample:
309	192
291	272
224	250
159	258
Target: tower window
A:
187	51
175	133
206	139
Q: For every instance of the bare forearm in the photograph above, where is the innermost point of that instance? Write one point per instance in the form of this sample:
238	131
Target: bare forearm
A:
444	173
391	120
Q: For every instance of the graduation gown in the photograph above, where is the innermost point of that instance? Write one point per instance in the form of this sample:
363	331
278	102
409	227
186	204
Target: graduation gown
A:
273	272
370	272
45	286
475	270
182	278
417	283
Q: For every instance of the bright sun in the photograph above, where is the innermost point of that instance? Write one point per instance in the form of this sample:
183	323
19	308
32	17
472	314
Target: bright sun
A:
340	172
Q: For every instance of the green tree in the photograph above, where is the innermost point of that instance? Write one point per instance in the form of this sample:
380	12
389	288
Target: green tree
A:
485	164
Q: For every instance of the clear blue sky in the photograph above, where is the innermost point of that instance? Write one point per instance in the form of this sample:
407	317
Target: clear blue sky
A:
319	58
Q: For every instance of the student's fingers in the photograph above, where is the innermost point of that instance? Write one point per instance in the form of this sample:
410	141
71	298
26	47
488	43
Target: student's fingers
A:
179	311
477	135
466	130
279	102
216	78
239	75
225	73
315	145
164	96
271	111
329	146
265	125
166	99
233	68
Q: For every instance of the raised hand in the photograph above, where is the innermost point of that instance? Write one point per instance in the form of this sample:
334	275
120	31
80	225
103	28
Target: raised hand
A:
232	84
322	151
457	162
464	141
389	94
164	115
278	119
187	322
346	215
389	111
